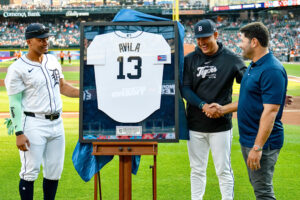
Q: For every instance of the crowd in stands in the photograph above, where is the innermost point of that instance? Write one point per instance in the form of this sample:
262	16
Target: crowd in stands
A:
285	35
66	34
284	43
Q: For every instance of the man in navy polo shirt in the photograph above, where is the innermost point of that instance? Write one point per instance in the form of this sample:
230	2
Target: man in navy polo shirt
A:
260	106
261	102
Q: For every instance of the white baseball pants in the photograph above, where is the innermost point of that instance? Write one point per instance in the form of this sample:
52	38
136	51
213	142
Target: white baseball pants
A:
47	147
198	149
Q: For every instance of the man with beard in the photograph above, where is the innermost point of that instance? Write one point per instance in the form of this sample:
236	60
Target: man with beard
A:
260	106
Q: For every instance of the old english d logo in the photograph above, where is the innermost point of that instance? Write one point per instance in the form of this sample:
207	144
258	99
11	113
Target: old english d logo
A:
199	28
55	76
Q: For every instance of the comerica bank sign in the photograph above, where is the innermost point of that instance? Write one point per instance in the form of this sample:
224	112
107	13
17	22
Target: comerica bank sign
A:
21	14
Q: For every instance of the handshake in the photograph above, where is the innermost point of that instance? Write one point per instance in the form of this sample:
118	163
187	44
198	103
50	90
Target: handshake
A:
213	110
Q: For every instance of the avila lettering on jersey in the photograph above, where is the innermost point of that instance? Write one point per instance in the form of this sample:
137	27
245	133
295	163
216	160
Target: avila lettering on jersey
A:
128	73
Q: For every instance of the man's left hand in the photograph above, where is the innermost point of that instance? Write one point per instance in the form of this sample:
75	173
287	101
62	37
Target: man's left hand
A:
288	100
253	160
9	126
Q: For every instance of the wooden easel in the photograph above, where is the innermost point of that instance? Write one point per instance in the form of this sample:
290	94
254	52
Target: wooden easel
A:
126	150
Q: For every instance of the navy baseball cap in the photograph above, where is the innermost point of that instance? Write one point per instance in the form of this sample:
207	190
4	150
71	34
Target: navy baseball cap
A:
36	30
204	28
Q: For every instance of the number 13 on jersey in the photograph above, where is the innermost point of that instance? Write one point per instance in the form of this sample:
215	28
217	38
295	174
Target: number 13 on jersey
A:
137	66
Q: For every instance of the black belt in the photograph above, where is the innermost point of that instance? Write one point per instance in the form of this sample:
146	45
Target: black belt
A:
51	117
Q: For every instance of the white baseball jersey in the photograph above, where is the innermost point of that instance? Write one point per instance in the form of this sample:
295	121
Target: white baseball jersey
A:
39	83
128	73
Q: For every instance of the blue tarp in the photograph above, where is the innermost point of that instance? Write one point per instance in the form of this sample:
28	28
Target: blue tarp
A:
84	162
88	165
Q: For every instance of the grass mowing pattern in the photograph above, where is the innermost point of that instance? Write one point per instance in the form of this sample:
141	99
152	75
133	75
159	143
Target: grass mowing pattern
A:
74	63
172	175
69	104
173	164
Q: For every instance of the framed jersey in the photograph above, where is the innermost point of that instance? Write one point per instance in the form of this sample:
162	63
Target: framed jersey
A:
129	81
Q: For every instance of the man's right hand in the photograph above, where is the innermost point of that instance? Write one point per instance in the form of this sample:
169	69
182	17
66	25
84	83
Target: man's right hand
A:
212	110
22	142
288	100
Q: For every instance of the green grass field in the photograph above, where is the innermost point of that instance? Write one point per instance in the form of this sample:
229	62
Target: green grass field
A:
69	104
74	63
172	173
2	76
292	69
72	76
173	164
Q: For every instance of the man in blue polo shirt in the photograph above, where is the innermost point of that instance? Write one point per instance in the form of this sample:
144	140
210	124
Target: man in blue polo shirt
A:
261	102
260	106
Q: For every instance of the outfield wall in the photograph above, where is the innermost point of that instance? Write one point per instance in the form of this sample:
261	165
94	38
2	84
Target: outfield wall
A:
75	53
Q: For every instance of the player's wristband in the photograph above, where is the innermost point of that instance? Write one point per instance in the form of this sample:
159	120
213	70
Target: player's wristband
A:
19	133
201	104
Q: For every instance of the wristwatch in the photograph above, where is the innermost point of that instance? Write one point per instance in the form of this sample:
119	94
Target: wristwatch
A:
257	148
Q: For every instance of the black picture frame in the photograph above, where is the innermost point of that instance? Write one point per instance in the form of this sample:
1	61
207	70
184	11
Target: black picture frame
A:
169	30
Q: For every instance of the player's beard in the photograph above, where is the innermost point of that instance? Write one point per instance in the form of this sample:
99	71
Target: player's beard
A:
247	53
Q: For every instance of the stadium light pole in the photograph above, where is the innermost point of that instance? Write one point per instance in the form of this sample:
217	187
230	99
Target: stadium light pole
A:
175	13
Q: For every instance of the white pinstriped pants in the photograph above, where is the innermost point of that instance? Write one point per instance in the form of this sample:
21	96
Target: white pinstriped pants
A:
47	147
198	148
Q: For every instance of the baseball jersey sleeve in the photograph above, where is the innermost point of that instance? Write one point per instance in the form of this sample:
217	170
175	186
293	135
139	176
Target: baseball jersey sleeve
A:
162	50
13	81
273	87
96	51
61	75
58	66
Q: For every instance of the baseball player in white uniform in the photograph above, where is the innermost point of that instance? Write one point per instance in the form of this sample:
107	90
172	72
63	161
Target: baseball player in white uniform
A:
34	83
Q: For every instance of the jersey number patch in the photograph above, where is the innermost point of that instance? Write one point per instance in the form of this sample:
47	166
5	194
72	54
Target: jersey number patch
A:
138	68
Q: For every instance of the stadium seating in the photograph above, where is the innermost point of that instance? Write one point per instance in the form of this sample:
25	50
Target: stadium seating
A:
285	35
65	35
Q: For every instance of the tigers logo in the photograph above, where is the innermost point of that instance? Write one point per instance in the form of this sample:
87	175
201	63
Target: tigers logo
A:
207	72
199	28
55	76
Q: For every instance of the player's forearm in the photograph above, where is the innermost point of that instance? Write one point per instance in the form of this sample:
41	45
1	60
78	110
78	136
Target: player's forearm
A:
191	97
68	90
230	108
266	123
15	107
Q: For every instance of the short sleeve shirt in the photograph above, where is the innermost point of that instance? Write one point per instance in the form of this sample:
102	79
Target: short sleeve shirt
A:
264	82
38	82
